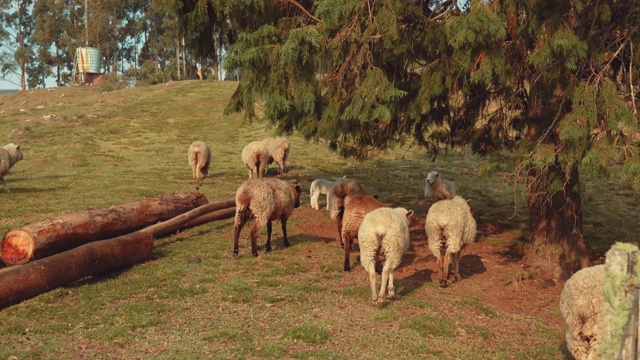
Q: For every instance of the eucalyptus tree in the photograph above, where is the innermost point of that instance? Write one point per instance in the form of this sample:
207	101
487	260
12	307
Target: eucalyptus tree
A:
551	81
17	25
52	37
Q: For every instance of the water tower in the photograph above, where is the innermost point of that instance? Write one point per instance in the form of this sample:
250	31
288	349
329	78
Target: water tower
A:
87	66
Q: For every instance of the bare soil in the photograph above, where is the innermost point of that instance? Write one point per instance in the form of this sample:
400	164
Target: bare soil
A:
489	268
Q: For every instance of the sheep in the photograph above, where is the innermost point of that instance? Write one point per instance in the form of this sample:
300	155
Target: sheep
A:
278	149
199	156
263	201
383	237
356	207
319	187
439	188
581	305
450	226
255	156
10	154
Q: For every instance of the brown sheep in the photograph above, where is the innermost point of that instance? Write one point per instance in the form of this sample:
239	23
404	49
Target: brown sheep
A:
343	188
263	201
356	207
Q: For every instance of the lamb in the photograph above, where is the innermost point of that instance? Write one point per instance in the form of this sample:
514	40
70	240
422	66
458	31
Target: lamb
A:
263	201
199	156
450	226
255	156
320	187
439	188
278	149
384	237
10	154
581	305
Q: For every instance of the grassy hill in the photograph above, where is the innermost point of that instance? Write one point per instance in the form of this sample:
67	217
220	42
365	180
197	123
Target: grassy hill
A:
85	149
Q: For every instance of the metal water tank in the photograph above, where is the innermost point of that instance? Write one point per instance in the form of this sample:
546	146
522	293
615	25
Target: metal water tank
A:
89	60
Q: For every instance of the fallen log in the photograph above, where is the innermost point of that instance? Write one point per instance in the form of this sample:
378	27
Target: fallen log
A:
45	238
200	215
19	283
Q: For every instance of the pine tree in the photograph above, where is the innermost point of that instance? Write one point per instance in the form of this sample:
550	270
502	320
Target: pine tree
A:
553	81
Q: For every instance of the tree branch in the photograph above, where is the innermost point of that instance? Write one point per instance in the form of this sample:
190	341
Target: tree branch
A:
299	6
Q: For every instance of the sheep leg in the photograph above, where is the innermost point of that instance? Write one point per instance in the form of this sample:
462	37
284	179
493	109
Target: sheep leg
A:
372	283
254	238
339	221
391	290
240	221
445	269
284	232
347	251
314	200
383	284
456	260
268	244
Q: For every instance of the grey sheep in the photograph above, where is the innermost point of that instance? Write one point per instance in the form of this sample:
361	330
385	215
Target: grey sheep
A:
439	188
581	305
199	156
450	226
10	154
384	238
278	149
263	201
255	156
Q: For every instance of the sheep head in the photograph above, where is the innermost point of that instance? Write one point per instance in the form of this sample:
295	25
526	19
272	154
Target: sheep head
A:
297	190
432	177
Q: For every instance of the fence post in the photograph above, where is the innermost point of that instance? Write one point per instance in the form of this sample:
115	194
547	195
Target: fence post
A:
622	305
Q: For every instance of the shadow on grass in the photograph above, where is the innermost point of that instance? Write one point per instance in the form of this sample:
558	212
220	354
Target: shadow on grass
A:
28	190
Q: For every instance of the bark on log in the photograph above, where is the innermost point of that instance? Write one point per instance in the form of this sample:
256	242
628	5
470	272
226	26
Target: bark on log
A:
200	215
20	283
49	237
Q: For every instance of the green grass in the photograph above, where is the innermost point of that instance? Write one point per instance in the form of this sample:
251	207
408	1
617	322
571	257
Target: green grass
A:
118	147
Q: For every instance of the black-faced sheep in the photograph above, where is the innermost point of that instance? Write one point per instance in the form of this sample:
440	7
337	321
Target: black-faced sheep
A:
581	305
263	201
439	188
278	149
255	156
383	238
199	156
10	154
449	226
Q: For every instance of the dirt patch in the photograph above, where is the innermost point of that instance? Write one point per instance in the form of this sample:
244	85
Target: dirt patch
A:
489	269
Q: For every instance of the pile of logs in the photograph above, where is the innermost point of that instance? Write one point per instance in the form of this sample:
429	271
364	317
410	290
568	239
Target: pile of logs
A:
45	255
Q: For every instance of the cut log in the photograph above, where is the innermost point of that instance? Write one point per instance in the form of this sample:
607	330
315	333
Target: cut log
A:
49	237
200	215
19	283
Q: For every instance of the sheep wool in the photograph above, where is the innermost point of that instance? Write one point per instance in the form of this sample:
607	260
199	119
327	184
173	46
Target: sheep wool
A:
355	209
449	226
263	201
278	149
581	305
10	154
439	188
255	156
199	157
384	238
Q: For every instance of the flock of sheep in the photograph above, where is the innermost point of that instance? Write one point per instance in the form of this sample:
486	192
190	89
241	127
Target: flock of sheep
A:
381	232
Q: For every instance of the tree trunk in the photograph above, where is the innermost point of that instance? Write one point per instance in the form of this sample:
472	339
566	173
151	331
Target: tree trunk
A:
20	283
48	237
557	248
200	215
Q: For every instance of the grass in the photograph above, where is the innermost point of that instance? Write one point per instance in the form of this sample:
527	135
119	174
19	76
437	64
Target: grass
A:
107	149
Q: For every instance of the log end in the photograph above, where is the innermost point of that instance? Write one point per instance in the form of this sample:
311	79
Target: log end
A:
17	247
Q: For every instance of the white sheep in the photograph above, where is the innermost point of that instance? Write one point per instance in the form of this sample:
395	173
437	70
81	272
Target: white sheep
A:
199	156
439	188
581	305
263	201
255	156
449	226
320	187
10	154
383	237
278	148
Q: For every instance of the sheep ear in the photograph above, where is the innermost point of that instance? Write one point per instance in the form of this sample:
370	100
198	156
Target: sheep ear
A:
425	173
409	214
